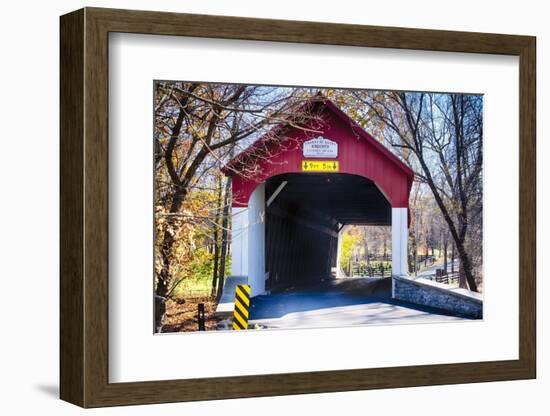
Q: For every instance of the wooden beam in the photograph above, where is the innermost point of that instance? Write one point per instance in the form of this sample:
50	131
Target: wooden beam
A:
277	192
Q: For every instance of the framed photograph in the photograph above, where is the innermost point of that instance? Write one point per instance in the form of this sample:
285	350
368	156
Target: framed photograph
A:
255	207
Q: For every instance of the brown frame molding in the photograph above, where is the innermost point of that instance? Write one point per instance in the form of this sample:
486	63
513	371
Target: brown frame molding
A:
84	208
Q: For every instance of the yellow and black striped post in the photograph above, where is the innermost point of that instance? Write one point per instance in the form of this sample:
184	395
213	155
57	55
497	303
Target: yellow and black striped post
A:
242	305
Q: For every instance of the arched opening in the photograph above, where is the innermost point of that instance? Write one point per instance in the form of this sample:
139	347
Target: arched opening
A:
304	215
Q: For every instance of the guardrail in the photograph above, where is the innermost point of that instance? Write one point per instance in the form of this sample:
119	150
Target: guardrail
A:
371	270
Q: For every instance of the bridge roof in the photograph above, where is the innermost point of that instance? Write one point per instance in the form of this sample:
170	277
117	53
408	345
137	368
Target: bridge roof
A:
358	154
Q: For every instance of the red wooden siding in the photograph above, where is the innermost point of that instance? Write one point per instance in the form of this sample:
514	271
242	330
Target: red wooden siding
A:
358	154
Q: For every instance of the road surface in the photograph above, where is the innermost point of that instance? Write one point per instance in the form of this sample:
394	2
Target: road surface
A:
345	302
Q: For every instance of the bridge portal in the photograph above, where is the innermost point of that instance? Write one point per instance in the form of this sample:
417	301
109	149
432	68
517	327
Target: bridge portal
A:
291	200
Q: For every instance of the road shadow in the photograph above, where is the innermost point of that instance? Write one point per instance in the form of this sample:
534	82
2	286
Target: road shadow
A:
332	294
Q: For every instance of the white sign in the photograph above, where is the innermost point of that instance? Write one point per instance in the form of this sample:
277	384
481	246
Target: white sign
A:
320	147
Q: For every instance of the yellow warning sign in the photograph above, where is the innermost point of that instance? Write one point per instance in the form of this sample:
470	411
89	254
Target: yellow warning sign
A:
242	305
320	166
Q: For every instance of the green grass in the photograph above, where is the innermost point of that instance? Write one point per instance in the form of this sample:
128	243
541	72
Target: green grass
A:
200	285
193	288
194	280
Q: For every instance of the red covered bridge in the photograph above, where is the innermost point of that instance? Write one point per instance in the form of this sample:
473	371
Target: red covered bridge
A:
291	199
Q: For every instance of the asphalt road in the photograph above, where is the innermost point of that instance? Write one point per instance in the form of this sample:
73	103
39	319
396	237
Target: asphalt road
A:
337	303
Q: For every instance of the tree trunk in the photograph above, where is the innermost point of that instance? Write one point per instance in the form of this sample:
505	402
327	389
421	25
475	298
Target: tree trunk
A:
445	256
426	251
452	258
216	242
465	270
415	255
224	242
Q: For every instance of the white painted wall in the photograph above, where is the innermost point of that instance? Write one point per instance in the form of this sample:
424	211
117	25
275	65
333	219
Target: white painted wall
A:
239	241
399	238
256	241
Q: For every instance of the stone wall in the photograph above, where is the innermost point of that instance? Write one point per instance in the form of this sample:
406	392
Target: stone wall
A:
425	292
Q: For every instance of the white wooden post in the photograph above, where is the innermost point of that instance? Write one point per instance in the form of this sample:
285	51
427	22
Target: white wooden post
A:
399	237
256	241
239	241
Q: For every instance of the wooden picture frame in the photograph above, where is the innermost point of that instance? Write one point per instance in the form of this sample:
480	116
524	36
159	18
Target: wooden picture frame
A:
84	207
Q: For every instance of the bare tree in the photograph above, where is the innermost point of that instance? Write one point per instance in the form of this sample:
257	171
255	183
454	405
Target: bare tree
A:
441	137
215	273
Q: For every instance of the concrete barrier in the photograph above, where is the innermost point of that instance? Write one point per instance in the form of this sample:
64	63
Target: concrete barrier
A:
227	300
461	302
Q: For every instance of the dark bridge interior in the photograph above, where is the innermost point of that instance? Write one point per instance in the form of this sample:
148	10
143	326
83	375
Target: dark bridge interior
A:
304	218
